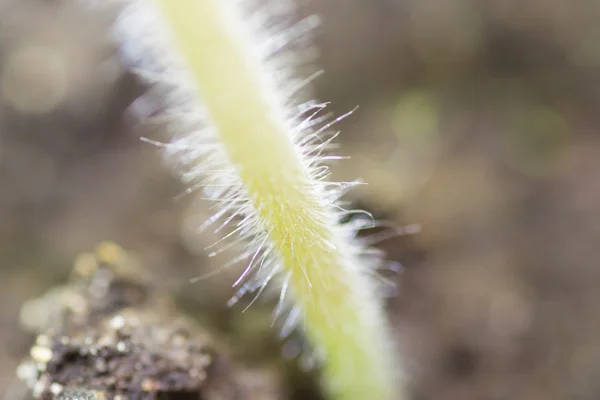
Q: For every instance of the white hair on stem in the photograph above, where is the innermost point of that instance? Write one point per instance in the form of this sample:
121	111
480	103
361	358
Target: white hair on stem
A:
241	133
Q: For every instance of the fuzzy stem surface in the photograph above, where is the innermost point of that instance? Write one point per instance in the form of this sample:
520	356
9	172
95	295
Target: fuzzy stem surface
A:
342	313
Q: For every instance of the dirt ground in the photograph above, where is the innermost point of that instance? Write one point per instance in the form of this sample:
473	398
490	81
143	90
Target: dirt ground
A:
477	121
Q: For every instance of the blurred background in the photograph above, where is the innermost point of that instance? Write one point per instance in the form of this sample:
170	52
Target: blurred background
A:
478	120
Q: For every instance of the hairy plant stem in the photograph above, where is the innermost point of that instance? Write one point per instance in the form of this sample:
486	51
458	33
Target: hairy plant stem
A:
337	296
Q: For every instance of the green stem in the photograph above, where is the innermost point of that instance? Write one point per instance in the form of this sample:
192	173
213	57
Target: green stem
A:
336	294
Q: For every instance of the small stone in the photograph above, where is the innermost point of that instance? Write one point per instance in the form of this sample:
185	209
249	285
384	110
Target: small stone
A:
205	360
43	340
85	265
27	372
106	341
197	374
41	354
117	322
148	385
39	388
56	388
76	303
108	252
